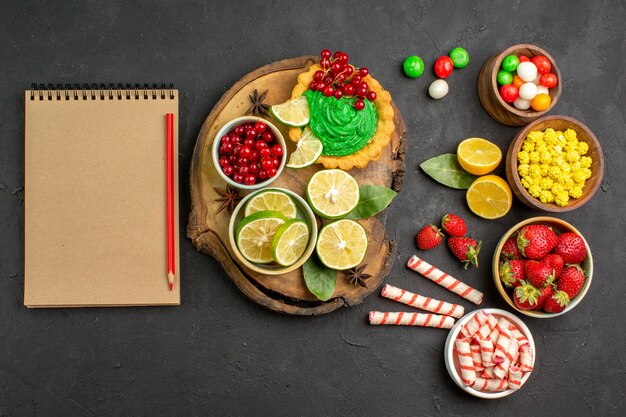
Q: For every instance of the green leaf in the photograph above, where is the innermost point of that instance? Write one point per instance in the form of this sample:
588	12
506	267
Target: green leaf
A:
372	200
446	170
319	279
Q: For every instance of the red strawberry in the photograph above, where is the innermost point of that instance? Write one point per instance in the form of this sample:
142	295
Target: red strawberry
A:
556	264
525	296
544	294
465	249
510	250
429	237
512	272
536	241
453	225
571	247
556	303
571	281
538	273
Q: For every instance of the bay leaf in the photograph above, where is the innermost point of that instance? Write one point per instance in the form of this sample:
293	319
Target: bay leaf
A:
446	170
319	279
372	200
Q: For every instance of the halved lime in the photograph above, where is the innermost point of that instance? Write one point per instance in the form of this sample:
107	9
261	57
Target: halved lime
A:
293	113
271	200
342	244
332	193
255	234
290	242
308	150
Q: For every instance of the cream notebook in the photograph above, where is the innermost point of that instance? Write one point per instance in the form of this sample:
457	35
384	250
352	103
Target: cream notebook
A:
95	197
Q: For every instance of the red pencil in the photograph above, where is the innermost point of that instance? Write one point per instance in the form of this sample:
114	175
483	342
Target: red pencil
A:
169	168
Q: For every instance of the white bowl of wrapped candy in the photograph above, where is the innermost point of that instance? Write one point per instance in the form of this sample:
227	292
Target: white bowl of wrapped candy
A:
490	353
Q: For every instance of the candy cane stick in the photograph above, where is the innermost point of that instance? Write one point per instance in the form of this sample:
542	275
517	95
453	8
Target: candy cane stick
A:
526	358
486	352
474	323
466	362
486	329
502	323
493	385
411	319
502	369
502	345
515	377
476	358
424	303
521	339
488	373
445	280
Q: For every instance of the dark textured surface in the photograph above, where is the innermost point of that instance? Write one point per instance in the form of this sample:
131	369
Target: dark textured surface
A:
220	354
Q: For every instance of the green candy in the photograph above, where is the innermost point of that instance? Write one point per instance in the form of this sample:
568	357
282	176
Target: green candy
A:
504	77
510	63
413	66
459	57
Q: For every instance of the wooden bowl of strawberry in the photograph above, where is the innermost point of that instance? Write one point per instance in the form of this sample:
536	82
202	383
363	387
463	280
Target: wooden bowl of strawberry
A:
542	267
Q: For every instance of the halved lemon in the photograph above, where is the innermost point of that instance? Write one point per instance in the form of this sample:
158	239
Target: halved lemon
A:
308	150
342	244
489	197
478	156
271	200
293	113
290	242
255	234
332	193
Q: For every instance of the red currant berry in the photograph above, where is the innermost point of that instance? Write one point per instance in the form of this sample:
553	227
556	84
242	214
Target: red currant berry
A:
254	169
336	67
232	159
364	72
329	91
226	148
245	152
242	161
225	139
243	169
348	70
228	170
249	142
250	180
251	134
260	127
265	152
325	63
356	79
260	144
248	126
338	94
359	105
235	140
313	86
271	172
268	136
238	178
361	92
340	79
262	174
277	150
337	54
266	163
223	161
371	95
319	74
349	90
255	156
239	130
327	81
344	57
275	162
325	53
364	85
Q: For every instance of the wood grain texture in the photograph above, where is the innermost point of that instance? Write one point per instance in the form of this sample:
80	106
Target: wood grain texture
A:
488	89
584	134
285	293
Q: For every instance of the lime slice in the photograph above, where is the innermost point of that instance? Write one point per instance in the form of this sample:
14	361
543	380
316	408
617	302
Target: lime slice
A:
342	244
293	113
332	193
255	234
271	200
290	242
308	150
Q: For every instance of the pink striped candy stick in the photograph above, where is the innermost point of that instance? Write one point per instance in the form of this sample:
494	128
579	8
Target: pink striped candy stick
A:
476	358
423	303
486	352
486	329
502	323
466	362
473	324
445	280
526	358
515	377
502	368
521	339
491	385
410	319
489	373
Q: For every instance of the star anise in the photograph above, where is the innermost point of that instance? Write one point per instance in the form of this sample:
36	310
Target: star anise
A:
357	276
258	108
228	197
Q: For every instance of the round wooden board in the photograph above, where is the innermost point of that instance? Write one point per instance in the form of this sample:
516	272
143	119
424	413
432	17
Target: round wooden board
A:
209	231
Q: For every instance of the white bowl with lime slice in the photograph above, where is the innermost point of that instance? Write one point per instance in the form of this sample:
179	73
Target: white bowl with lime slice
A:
278	234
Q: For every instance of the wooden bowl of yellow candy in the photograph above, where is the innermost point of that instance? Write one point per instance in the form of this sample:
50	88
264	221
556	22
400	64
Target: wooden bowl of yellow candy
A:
555	164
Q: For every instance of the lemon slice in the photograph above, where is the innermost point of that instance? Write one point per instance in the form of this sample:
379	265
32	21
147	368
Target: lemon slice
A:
489	197
342	244
255	235
308	150
290	242
293	113
478	156
332	193
271	200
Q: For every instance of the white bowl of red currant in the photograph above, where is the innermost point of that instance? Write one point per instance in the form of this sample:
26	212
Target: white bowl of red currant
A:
249	152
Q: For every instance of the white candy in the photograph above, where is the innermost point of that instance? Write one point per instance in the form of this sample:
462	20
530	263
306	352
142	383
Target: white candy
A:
527	71
438	89
542	89
528	91
521	104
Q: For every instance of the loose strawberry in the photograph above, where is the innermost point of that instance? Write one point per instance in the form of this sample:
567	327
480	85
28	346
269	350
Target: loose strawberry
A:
525	296
465	249
571	247
536	241
544	294
571	281
555	262
512	272
510	250
453	225
538	273
429	237
556	303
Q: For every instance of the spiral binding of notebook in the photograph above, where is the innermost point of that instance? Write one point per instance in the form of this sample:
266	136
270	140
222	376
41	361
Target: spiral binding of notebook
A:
101	91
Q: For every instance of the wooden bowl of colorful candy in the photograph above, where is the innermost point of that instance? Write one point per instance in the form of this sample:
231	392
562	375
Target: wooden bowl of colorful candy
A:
519	85
555	164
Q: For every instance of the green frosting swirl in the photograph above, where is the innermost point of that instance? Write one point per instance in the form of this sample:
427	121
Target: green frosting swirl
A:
342	129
